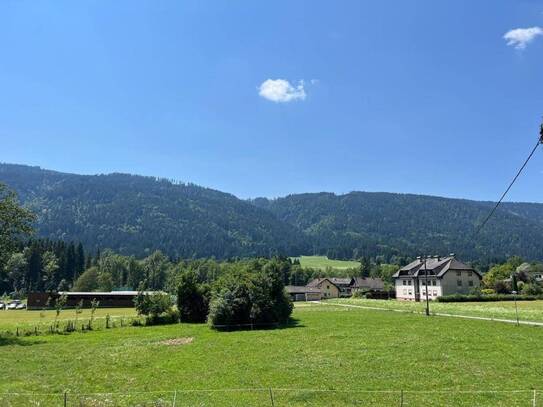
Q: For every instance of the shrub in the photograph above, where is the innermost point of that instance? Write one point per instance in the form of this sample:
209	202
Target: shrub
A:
485	298
531	289
359	294
192	298
256	298
487	291
153	305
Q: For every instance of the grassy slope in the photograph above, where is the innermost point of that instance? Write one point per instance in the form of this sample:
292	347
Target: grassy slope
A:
322	262
331	348
528	310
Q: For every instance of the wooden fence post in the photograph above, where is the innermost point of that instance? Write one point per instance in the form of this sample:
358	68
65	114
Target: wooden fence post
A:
271	397
174	398
534	399
65	398
401	398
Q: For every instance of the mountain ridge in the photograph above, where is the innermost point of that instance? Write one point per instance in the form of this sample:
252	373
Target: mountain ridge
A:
135	214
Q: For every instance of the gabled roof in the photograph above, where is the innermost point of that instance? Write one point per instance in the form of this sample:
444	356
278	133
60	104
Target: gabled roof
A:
297	289
434	266
341	281
368	282
316	282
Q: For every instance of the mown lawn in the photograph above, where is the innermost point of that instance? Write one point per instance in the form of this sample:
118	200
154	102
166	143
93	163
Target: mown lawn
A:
344	352
527	310
322	262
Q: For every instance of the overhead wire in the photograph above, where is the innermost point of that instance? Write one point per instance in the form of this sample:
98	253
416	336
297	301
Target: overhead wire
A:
491	213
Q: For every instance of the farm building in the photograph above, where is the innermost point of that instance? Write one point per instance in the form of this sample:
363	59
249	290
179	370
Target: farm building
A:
367	284
113	299
328	288
439	275
303	293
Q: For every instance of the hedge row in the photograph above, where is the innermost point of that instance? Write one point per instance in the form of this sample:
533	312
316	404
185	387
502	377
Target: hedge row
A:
487	297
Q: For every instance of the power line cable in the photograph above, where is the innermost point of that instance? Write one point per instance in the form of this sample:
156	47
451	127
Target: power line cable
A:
539	141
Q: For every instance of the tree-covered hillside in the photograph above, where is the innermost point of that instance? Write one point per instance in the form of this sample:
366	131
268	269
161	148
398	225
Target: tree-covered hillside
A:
364	223
137	215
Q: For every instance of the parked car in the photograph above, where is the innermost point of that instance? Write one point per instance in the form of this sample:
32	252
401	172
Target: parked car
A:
13	304
2	305
20	306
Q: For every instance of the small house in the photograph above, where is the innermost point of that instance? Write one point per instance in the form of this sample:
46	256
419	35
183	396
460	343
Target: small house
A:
328	288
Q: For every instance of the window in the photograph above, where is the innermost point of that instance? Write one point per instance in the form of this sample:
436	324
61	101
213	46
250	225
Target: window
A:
410	292
327	287
470	283
458	273
404	282
408	282
435	292
404	292
434	282
459	283
470	273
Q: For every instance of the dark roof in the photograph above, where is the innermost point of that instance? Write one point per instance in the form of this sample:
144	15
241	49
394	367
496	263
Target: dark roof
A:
300	289
102	293
368	282
435	266
341	281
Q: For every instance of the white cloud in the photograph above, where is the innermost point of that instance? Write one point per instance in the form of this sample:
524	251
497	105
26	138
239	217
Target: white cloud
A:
281	90
520	37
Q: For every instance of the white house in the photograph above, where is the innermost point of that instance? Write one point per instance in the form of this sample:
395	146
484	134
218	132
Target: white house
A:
439	275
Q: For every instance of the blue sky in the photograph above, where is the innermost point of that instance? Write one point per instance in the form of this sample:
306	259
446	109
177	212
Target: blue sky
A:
401	96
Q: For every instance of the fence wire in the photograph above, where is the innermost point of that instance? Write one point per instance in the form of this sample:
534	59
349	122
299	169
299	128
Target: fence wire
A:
279	397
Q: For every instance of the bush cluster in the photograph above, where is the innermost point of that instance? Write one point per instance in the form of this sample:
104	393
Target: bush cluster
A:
250	298
485	298
192	298
157	307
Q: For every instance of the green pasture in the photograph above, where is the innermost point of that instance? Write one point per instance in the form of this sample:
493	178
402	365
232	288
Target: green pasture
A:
27	320
527	310
323	262
328	356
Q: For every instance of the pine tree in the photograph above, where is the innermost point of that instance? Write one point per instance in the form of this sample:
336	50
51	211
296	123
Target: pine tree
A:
70	270
79	261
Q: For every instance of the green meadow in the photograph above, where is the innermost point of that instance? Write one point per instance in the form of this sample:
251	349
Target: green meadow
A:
527	310
323	262
328	356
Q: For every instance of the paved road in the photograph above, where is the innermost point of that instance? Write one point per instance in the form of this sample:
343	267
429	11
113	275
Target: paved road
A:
439	314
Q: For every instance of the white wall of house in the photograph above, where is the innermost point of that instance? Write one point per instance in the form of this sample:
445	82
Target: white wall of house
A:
452	282
434	288
405	289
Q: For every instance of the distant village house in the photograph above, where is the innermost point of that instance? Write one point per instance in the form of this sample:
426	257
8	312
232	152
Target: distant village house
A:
436	275
333	287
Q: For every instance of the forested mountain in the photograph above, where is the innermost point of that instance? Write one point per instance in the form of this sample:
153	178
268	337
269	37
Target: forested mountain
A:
136	215
386	224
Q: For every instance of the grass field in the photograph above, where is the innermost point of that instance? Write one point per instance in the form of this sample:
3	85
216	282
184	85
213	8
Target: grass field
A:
344	352
527	310
322	262
28	321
